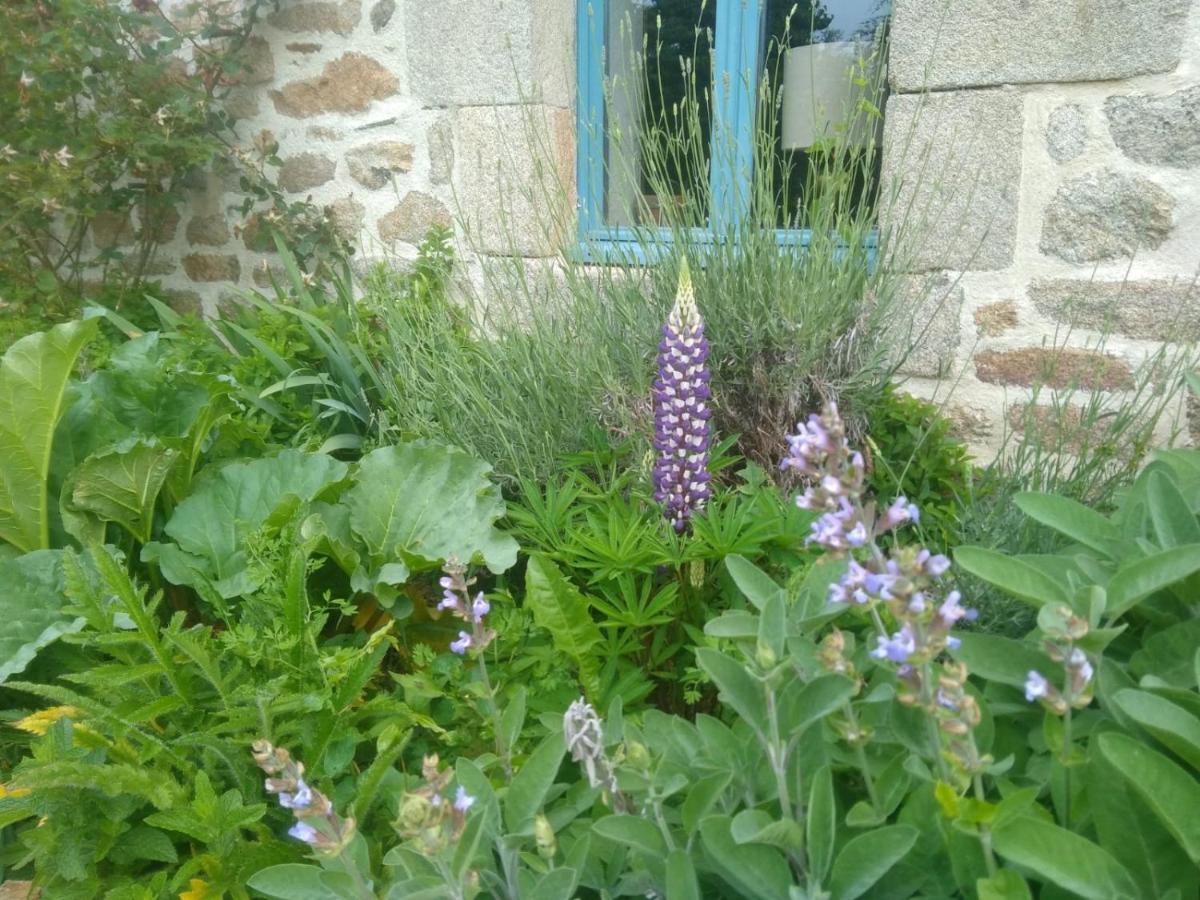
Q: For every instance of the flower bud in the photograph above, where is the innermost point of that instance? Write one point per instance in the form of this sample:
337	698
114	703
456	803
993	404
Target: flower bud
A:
414	812
543	834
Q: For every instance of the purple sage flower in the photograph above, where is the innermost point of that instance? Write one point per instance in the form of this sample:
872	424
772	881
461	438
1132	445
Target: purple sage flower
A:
480	607
302	831
462	644
301	799
897	648
462	800
681	413
1036	686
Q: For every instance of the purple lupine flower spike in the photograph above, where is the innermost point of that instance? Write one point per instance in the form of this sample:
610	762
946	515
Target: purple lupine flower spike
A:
681	413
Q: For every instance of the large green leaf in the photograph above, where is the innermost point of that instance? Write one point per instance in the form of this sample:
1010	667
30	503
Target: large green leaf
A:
33	381
292	881
1169	790
1134	581
210	527
416	505
32	594
1174	522
754	870
1071	518
866	858
532	782
1173	725
558	607
1013	576
121	484
1128	829
752	581
1063	858
1167	654
1001	659
738	690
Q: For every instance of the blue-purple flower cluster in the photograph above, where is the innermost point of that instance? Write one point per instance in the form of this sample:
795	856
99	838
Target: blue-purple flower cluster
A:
681	413
456	599
429	817
317	824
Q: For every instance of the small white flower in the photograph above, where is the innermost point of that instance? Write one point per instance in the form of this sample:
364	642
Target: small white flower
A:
8	152
27	80
64	156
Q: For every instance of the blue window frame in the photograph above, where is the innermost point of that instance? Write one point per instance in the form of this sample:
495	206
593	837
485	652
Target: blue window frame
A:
738	38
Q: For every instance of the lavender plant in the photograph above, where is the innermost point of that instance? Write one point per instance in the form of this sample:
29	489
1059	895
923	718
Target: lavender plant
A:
681	413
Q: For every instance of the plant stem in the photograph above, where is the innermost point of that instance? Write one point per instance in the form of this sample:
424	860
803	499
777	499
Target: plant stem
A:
931	726
777	755
985	831
1066	764
501	751
861	756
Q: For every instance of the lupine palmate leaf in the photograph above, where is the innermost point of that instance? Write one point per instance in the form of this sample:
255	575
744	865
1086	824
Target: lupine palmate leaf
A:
33	380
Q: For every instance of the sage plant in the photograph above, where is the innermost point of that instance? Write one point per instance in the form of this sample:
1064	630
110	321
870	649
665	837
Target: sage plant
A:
681	413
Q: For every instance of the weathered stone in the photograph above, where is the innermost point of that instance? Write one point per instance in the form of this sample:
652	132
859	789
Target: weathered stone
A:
1056	367
242	103
955	159
934	307
19	890
159	223
212	267
303	47
381	14
256	237
340	18
412	219
305	171
186	303
937	45
1157	310
441	151
208	231
1059	427
514	199
1106	215
346	215
111	229
262	275
256	61
155	267
496	51
995	318
1160	131
321	133
349	83
1066	132
373	165
969	423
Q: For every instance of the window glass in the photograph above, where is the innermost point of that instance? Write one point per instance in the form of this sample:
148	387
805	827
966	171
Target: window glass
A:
658	76
820	102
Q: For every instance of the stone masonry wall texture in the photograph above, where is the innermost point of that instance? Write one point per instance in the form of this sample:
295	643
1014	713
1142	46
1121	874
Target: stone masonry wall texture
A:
393	115
1051	148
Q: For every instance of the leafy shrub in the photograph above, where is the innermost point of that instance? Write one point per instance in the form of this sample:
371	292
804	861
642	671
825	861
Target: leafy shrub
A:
913	768
109	108
913	454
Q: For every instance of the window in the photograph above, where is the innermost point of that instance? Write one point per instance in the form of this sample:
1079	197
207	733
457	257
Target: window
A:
682	103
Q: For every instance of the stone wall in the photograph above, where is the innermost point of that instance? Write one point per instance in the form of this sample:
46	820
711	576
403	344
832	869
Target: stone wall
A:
1047	156
394	115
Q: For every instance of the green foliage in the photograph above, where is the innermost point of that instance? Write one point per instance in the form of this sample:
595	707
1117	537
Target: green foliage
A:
111	109
33	381
913	454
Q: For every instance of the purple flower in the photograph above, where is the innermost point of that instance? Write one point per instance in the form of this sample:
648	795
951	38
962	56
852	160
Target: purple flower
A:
301	799
839	530
1081	668
952	610
896	648
449	599
462	644
1036	686
480	607
898	513
936	565
302	831
462	800
681	413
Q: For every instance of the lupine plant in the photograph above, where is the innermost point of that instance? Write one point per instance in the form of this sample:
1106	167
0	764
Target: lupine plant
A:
681	413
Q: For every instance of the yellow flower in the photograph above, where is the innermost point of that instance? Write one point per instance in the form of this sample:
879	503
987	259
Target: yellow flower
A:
39	722
197	890
6	791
